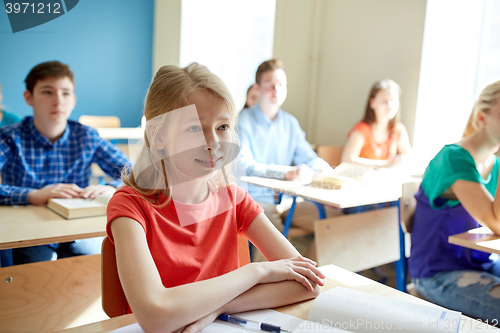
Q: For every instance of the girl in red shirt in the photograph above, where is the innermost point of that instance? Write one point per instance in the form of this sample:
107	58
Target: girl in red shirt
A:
379	137
175	223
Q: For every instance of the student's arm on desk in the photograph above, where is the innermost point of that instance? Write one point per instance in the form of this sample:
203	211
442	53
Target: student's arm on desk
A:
254	168
110	159
274	246
167	309
479	203
20	195
404	145
305	155
353	148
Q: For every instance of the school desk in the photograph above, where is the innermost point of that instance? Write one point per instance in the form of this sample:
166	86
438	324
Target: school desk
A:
30	225
355	241
49	296
121	133
481	239
335	277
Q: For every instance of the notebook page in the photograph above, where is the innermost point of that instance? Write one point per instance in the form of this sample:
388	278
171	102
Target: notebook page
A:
288	322
363	312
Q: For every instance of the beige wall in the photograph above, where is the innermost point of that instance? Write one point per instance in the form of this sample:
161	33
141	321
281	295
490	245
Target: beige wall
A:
333	50
167	33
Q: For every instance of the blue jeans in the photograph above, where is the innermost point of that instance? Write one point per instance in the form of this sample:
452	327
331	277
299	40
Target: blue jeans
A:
474	293
38	253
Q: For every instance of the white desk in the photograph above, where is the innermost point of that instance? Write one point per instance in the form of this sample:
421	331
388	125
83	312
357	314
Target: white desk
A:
364	195
336	277
121	133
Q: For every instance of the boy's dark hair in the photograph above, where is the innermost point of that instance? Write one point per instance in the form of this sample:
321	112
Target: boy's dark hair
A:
270	65
51	69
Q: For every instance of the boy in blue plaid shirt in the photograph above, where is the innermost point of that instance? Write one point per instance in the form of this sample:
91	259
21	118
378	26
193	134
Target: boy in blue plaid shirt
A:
48	156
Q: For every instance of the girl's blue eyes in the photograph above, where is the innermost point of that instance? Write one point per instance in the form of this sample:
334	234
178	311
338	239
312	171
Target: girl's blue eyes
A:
194	129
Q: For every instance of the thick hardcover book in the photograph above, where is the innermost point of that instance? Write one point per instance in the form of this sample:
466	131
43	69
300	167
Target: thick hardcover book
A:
78	207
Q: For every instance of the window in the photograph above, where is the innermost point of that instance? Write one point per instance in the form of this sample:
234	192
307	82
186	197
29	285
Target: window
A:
230	37
460	55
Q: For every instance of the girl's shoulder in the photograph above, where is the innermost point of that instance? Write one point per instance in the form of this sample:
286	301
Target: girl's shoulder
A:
127	194
452	158
361	127
400	128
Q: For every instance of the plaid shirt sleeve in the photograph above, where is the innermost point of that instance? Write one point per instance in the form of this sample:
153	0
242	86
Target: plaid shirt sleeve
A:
11	195
110	158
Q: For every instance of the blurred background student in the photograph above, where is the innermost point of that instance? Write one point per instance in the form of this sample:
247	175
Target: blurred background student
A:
459	193
379	136
252	96
6	118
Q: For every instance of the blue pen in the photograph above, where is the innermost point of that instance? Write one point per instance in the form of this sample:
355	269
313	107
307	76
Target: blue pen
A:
252	324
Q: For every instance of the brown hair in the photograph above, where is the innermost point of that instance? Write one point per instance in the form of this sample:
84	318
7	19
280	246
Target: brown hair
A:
488	98
369	116
48	70
169	91
269	65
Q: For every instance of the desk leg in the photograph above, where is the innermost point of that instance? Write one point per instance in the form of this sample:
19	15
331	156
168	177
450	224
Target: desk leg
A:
289	216
402	263
321	210
5	258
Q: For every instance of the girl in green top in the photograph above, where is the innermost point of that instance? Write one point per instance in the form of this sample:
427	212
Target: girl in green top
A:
459	192
6	118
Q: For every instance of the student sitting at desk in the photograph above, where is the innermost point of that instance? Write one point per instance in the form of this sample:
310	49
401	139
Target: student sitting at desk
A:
6	118
175	223
459	192
252	96
271	140
48	156
379	137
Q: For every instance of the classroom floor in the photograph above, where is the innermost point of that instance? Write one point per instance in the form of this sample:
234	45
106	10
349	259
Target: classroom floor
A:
385	274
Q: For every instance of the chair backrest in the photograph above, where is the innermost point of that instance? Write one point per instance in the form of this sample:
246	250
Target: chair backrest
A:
100	121
114	302
331	154
408	204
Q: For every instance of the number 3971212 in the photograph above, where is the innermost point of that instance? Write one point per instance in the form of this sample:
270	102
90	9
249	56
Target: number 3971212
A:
33	8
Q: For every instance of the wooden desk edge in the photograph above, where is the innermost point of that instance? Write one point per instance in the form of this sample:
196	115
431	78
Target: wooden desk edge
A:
465	240
50	240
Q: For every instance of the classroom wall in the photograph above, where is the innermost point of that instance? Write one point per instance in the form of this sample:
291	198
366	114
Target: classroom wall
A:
108	44
167	33
334	50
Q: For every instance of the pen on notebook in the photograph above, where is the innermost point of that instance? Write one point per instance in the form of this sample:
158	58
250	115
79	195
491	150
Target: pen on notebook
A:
252	324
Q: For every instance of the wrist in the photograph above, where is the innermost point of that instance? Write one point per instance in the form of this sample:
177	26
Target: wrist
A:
31	197
257	271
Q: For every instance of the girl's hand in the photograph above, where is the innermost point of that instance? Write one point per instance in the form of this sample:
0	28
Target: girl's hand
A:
300	269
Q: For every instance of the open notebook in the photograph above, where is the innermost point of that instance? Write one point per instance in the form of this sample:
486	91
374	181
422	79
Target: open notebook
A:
344	175
344	310
79	207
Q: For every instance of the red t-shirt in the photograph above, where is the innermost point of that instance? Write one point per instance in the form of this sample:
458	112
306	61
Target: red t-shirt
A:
193	252
374	150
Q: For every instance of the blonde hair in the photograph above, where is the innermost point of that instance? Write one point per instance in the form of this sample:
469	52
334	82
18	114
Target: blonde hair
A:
369	117
488	97
169	91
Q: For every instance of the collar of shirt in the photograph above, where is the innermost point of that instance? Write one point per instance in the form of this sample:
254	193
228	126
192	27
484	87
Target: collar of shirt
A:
40	138
261	117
